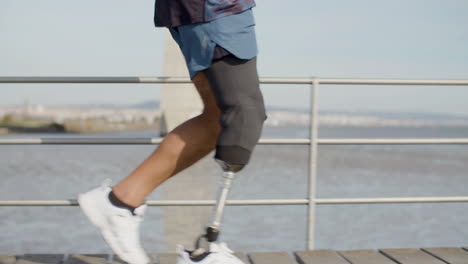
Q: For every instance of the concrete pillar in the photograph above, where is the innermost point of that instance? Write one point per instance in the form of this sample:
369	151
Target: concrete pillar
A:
179	102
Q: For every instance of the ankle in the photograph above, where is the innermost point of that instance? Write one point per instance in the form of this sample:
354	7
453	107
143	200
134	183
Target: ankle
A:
114	200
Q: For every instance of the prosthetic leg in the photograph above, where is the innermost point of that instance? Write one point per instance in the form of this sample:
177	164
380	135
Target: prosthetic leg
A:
235	85
202	244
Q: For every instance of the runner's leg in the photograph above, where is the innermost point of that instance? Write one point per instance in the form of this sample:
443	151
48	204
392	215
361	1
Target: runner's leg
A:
180	148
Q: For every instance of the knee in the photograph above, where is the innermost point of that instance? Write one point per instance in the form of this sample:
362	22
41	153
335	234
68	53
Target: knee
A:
251	116
258	108
253	105
249	113
242	125
211	122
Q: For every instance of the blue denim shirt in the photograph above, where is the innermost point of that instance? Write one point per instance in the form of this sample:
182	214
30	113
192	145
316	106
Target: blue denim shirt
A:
173	13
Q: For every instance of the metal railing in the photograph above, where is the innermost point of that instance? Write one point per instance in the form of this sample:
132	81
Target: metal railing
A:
313	141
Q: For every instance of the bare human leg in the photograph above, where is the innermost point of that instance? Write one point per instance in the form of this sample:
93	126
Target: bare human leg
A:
180	148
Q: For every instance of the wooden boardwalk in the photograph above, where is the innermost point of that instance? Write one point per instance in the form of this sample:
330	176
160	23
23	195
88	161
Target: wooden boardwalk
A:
381	256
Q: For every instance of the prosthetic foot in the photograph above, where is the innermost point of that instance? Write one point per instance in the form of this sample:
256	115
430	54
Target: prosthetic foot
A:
203	243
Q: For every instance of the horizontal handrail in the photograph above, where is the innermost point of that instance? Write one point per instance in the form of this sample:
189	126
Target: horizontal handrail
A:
245	202
432	199
115	141
312	141
264	80
392	141
338	81
73	202
263	141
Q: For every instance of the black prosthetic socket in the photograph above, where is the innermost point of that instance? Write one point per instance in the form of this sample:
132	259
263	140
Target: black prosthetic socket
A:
232	154
116	202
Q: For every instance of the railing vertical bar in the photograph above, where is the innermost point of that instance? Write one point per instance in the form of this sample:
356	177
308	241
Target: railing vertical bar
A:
312	163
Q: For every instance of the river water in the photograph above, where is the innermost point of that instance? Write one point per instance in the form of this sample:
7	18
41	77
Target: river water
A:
62	171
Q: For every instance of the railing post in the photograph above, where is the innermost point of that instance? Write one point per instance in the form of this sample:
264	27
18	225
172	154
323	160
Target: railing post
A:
313	134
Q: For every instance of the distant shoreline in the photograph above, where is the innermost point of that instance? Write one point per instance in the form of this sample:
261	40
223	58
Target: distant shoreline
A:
96	118
73	127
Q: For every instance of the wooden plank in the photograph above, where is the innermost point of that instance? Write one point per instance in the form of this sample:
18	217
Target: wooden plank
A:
170	258
87	259
7	259
166	258
410	256
271	258
39	258
323	256
117	260
450	255
365	257
242	257
154	258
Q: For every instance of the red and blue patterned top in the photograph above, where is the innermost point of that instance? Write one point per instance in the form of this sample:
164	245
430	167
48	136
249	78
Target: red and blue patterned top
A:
218	8
173	13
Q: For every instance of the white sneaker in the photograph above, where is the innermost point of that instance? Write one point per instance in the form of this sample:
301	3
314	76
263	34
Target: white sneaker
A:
119	227
219	254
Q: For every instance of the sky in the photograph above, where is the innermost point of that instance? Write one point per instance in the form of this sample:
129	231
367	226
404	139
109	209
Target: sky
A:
409	39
